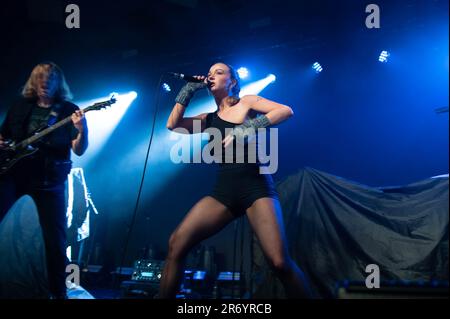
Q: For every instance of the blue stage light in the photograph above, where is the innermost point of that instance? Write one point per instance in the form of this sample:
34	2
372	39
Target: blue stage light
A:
271	78
317	67
383	56
242	72
166	87
103	122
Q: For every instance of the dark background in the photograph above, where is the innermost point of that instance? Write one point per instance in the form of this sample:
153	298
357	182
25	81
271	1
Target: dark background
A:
360	119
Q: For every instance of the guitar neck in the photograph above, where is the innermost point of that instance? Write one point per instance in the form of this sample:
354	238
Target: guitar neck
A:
44	132
48	130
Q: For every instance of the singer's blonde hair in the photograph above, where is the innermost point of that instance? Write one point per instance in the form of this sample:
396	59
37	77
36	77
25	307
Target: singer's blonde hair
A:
62	91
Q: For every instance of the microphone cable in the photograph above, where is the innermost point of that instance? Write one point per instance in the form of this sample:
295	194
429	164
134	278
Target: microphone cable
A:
133	218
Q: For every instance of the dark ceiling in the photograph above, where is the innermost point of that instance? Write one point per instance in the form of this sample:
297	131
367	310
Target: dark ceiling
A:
183	27
179	33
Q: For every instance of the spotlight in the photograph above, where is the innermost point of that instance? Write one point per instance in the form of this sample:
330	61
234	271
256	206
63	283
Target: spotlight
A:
132	95
166	87
103	122
317	67
271	78
242	72
383	58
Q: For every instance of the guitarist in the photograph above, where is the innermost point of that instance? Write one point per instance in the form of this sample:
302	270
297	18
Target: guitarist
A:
45	101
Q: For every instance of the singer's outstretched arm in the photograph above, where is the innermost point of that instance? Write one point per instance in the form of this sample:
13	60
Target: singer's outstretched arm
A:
177	119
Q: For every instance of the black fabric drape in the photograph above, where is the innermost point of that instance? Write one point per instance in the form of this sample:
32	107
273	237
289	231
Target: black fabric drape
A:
336	227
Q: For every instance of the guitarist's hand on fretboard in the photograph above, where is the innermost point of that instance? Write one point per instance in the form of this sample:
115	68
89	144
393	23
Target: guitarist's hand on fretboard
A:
78	120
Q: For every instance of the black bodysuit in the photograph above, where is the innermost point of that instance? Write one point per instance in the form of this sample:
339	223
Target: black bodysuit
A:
238	185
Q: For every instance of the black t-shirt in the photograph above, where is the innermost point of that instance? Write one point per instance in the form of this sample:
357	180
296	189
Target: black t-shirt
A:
38	118
51	163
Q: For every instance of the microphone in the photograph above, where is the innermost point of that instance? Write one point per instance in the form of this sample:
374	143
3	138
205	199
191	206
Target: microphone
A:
187	78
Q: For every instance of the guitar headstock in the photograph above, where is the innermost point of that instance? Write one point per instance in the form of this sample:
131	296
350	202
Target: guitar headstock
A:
100	105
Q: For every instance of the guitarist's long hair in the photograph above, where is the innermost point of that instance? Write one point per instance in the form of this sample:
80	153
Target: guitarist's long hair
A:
62	93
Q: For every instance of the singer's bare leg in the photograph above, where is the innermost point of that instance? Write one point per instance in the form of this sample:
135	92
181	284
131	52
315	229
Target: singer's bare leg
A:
205	219
265	217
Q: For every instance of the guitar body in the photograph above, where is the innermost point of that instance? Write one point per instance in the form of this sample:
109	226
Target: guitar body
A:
9	157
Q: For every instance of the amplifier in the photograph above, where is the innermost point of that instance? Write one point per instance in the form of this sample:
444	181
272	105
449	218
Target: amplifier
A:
148	270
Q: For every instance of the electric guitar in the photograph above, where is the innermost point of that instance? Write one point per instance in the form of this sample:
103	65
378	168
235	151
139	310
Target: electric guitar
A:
14	152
